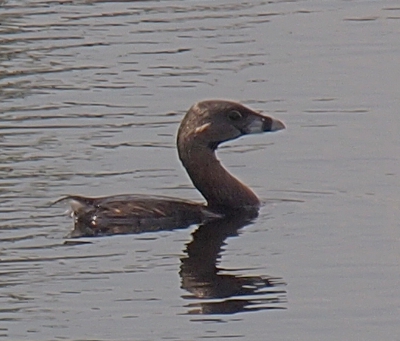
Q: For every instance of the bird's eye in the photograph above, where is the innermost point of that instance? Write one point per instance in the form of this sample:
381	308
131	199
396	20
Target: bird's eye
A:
235	115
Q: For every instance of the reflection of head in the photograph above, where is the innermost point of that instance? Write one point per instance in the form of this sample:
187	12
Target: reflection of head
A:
204	280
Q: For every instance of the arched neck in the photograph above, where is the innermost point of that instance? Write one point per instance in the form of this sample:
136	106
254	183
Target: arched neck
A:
222	190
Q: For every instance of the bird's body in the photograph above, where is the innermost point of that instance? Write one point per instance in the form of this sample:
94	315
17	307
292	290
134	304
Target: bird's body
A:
204	127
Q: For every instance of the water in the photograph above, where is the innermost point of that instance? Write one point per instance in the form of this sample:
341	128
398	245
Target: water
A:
91	96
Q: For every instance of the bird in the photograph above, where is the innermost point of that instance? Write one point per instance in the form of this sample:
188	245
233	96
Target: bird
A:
205	126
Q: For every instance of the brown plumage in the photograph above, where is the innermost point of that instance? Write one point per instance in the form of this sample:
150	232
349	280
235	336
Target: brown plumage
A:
204	127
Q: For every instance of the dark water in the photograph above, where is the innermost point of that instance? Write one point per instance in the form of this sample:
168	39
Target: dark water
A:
91	95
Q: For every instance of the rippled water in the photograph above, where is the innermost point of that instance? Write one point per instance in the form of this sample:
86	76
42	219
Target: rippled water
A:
91	95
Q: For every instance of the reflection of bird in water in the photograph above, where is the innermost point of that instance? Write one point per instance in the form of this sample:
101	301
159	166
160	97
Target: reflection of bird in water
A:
204	127
234	293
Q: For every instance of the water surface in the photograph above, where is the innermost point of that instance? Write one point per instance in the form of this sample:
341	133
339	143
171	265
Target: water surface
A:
91	96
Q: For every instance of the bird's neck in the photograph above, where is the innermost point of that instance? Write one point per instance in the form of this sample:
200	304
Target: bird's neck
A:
222	190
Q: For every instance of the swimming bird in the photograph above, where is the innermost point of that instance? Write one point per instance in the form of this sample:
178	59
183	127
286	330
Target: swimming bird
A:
205	126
